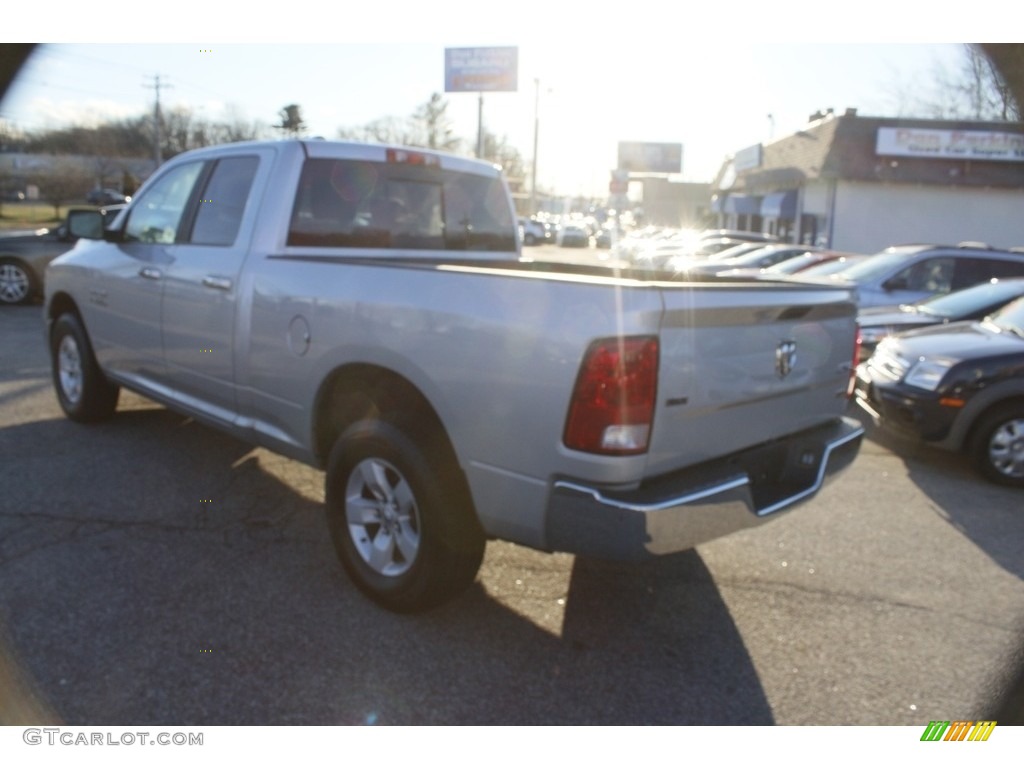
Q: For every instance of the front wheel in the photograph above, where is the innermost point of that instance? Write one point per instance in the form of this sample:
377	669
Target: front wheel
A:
998	445
17	285
402	523
83	391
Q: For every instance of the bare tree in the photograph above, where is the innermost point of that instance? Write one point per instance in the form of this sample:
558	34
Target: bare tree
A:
1008	60
386	130
974	90
64	182
236	127
431	126
499	151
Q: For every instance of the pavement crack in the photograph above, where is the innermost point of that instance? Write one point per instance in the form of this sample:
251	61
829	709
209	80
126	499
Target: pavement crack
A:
767	586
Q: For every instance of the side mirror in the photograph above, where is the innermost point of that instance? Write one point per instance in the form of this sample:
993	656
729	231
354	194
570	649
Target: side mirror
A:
87	224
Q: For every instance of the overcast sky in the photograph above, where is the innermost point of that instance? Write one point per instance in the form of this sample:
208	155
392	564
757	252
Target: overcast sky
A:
707	81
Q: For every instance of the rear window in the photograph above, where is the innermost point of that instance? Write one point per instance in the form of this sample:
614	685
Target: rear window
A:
361	204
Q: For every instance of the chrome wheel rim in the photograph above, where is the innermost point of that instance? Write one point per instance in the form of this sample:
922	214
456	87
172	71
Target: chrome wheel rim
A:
69	369
383	520
1006	448
13	283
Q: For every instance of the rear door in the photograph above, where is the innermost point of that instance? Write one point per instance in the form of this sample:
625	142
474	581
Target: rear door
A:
201	291
974	270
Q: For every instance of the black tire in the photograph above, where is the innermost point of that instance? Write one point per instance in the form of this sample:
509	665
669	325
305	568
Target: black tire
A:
400	518
18	285
82	390
529	239
998	445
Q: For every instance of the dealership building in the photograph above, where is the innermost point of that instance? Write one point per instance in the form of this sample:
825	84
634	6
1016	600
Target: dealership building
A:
864	183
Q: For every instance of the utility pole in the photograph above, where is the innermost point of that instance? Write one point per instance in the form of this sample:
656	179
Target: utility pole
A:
157	140
536	131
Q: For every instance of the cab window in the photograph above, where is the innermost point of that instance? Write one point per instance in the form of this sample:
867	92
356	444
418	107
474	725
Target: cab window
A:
222	201
157	214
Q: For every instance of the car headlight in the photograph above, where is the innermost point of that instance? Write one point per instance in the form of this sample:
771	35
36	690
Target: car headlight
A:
927	374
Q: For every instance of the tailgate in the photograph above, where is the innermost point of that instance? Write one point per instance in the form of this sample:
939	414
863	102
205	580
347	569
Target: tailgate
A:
743	364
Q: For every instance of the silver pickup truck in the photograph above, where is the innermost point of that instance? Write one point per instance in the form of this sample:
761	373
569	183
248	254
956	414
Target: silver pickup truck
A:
365	309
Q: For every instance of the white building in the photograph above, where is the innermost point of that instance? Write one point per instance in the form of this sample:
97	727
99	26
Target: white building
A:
864	183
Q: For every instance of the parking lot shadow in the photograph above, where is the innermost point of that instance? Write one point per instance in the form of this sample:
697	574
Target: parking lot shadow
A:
666	621
153	571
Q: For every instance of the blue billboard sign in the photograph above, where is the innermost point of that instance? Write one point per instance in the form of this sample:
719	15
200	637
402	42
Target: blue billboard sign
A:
481	69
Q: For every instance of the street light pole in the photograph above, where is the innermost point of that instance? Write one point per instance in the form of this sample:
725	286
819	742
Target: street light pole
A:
536	131
480	127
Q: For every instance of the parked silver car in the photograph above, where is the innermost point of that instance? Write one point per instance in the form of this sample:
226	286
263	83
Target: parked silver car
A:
907	274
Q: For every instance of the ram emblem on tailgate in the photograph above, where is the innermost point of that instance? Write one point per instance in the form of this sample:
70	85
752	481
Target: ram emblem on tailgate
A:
785	358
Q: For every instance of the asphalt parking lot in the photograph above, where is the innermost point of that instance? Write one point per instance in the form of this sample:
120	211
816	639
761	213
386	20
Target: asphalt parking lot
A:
153	571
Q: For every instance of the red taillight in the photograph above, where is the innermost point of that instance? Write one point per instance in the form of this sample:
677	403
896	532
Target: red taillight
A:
852	383
408	157
612	406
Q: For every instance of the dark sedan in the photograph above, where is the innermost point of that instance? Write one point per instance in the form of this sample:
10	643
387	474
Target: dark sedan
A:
969	304
24	256
958	386
107	197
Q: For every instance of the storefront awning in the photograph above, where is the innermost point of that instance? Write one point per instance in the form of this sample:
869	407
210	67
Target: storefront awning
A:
780	205
742	204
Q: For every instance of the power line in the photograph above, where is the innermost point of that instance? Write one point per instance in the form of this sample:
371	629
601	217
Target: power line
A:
56	53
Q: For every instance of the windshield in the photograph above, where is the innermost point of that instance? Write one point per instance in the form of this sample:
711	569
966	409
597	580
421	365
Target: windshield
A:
829	267
764	257
1011	317
879	264
797	263
971	300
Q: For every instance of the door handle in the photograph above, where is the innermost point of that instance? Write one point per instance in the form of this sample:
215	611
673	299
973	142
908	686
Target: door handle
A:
150	273
220	283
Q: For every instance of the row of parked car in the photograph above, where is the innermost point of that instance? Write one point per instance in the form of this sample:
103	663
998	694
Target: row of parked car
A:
574	231
942	330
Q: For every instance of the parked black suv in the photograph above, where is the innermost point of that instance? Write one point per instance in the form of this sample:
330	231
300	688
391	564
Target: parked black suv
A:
972	303
959	386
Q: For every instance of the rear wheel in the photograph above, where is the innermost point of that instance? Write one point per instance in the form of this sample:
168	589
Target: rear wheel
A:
998	445
83	392
400	517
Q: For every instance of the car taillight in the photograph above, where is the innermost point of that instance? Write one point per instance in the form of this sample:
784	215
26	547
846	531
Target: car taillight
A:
852	383
612	406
